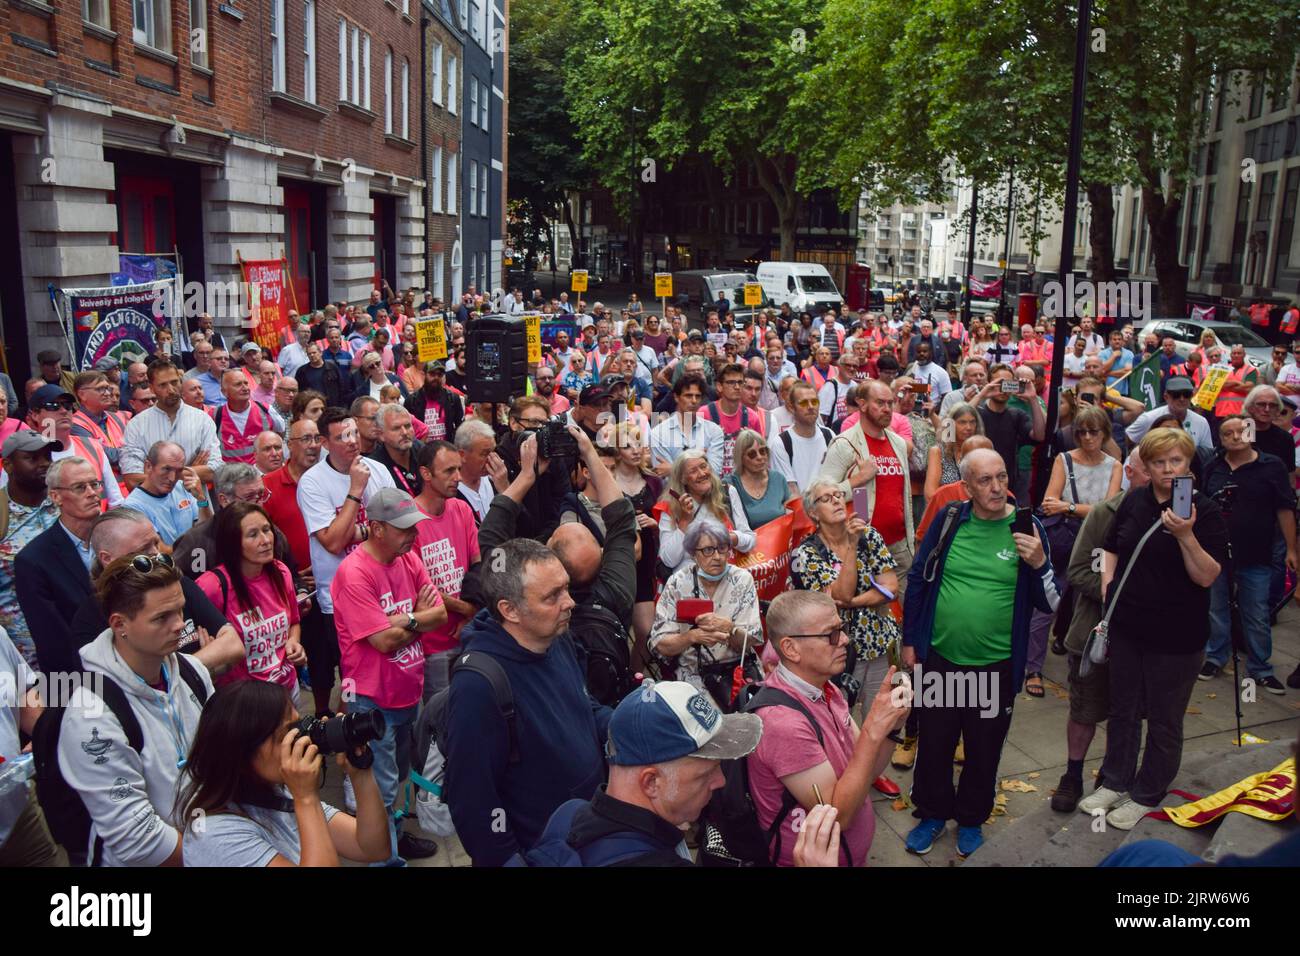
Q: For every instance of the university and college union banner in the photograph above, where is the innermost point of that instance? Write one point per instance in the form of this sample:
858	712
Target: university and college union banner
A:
118	322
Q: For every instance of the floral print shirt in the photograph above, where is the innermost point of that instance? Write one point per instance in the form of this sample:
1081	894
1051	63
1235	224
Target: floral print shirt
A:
736	598
814	567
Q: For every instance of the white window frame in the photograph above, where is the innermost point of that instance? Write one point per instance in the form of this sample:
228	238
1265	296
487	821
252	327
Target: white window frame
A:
435	179
483	190
453	184
356	66
473	102
278	36
452	108
309	50
156	31
406	7
485	110
436	85
365	56
343	59
406	98
473	188
96	12
199	21
388	91
476	21
439	278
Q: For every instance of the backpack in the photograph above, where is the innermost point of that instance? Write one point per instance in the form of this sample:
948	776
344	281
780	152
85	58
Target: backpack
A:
715	415
603	648
431	739
625	848
66	814
731	834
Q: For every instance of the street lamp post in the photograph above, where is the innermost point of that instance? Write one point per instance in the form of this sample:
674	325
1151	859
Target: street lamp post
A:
1069	218
1006	255
970	251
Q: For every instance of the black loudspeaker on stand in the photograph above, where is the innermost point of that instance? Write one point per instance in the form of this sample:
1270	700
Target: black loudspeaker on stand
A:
496	358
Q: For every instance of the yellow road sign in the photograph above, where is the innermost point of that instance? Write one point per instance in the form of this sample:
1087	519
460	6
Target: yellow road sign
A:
578	280
663	285
753	293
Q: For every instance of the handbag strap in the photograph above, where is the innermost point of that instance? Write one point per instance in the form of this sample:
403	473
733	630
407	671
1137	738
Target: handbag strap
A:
1113	599
1069	470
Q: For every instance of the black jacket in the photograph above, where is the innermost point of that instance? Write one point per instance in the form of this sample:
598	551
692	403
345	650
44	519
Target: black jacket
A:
52	583
452	409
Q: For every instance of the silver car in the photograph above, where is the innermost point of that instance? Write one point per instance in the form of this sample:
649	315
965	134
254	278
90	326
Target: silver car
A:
1187	333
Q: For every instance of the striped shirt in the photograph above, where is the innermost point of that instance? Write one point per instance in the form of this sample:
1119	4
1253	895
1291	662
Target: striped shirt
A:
191	429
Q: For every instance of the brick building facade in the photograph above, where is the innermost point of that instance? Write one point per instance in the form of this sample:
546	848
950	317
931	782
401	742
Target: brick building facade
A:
244	128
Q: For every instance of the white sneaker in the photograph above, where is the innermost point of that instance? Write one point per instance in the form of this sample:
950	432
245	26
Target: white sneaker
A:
1103	798
1127	814
349	795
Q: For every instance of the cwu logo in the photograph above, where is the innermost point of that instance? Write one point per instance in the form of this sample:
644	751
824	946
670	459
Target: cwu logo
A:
702	710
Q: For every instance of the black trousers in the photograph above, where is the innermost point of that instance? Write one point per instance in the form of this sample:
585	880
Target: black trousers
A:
1161	684
982	726
321	642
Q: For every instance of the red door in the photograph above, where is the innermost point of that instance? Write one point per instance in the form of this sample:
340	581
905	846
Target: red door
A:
379	227
297	244
146	214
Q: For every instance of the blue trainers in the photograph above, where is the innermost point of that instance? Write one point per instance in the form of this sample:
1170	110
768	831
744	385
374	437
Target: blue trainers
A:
969	839
921	840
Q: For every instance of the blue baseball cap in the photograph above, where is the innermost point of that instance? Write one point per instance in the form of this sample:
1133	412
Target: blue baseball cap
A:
664	721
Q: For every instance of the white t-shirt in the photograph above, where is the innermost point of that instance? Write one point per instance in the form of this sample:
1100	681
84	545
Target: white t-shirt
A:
933	375
322	492
808	455
1073	368
480	498
833	397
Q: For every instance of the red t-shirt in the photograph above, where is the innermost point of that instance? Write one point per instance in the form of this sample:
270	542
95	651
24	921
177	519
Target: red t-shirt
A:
364	593
887	516
263	625
448	545
282	507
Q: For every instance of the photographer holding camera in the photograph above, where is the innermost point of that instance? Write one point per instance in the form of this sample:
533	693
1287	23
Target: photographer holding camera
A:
384	602
252	790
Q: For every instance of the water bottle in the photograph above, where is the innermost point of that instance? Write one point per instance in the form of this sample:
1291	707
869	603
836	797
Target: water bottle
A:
15	772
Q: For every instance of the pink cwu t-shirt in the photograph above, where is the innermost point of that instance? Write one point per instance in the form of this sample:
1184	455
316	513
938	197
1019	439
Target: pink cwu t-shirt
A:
365	592
448	545
263	626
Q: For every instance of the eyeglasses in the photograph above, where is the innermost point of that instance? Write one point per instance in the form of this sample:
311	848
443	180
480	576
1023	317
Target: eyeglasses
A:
103	389
711	551
829	496
1086	432
256	498
1273	405
531	423
148	399
1177	395
145	563
809	403
831	637
81	487
61	404
764	452
310	439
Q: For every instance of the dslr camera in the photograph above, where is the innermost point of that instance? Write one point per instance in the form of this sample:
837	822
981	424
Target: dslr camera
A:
345	735
554	441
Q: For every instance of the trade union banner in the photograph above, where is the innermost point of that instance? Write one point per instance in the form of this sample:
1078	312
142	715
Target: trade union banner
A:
120	322
268	305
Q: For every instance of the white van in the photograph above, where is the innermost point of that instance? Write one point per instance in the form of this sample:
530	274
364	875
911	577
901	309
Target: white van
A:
806	286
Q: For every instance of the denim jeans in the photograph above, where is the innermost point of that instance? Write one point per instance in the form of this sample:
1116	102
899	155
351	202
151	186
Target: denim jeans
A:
392	767
1277	576
1253	582
437	672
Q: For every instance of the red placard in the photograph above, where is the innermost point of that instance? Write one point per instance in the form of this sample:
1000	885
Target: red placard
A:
269	304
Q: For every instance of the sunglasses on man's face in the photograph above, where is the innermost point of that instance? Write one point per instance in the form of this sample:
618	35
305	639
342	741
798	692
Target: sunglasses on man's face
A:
65	404
1178	394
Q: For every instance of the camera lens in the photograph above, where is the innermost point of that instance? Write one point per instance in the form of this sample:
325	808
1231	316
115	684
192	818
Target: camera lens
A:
343	734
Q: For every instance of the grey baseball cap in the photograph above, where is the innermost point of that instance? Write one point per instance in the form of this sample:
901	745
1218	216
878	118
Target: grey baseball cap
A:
27	440
394	506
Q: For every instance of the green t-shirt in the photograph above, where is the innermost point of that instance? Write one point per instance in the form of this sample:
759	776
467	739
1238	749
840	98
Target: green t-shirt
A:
972	621
1025	453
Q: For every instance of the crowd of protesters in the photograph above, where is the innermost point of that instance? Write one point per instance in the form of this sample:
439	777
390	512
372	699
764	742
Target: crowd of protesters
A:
549	611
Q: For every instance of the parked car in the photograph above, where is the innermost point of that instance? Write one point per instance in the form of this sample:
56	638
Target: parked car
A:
1187	333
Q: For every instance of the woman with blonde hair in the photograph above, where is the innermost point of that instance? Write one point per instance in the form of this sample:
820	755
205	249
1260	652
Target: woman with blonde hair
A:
642	487
959	423
761	489
694	491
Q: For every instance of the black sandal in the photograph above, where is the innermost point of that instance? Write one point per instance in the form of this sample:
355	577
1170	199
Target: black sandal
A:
1035	690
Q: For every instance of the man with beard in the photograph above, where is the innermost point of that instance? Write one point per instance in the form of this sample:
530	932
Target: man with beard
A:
436	405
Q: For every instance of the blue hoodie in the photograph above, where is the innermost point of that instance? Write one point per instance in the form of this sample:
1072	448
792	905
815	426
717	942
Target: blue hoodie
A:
499	808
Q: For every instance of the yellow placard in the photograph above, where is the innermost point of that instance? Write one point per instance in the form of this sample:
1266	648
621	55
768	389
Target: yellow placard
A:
578	280
663	285
753	293
1208	393
431	339
533	332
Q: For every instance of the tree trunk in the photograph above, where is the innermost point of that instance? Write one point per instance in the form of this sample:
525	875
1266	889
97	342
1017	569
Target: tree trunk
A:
1101	231
776	176
1162	219
573	230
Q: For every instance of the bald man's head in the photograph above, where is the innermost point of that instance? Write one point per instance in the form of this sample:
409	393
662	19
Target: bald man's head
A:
578	551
